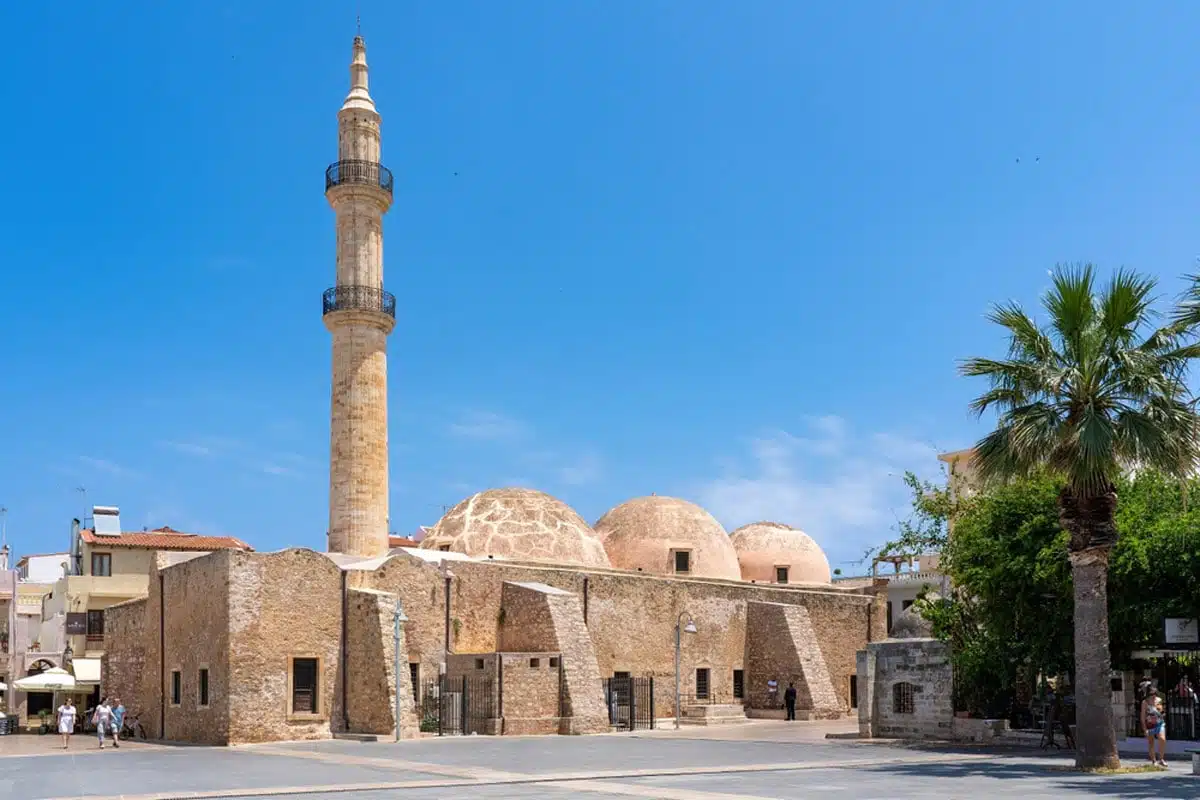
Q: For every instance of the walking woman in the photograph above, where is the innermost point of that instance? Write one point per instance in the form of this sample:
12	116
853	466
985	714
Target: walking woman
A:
1156	727
66	721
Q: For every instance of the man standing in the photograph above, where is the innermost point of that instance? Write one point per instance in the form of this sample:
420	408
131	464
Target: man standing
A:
789	700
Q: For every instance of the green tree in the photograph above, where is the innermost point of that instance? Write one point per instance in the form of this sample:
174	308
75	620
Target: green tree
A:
1096	391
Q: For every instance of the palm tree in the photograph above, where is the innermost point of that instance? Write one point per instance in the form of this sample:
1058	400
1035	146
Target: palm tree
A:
1098	390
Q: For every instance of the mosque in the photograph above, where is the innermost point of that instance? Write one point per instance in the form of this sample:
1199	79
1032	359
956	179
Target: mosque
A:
513	616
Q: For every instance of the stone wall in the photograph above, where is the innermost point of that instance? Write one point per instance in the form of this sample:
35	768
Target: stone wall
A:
782	646
531	683
283	606
370	667
196	632
537	617
906	690
630	618
123	668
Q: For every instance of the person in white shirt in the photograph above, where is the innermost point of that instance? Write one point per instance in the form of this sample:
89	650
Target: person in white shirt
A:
66	721
103	719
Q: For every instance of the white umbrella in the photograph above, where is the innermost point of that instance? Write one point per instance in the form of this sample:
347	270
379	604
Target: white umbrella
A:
51	680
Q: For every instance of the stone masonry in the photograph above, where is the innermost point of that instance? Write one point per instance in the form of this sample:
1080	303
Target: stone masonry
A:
360	323
370	667
906	690
781	645
536	617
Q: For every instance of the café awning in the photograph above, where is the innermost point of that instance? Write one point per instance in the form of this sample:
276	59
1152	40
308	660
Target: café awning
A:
87	671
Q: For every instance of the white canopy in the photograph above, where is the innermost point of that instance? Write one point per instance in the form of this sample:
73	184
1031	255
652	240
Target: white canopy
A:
87	671
51	680
3	686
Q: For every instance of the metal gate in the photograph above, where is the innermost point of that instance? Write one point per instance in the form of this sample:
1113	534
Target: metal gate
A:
630	703
458	706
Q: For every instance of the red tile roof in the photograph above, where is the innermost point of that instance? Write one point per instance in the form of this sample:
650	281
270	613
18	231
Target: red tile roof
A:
165	539
402	541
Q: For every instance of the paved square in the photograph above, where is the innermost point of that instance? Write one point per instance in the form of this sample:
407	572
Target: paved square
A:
763	760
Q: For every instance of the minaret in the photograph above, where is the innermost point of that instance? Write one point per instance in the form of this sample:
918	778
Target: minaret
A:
360	315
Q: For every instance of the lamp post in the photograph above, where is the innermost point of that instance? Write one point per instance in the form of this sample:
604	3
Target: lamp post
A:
397	619
690	627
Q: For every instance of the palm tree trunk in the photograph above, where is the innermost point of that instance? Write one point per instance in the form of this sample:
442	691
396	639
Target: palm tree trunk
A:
1095	737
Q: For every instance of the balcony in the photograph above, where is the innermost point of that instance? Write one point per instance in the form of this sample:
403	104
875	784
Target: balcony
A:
358	298
361	173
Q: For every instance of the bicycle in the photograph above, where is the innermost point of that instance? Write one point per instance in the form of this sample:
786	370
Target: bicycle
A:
132	727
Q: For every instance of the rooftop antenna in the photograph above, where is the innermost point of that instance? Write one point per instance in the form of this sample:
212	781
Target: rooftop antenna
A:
83	493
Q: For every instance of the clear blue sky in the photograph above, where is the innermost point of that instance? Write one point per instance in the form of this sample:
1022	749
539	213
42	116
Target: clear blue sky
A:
724	250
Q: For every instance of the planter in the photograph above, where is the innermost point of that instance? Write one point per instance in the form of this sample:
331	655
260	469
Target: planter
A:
43	729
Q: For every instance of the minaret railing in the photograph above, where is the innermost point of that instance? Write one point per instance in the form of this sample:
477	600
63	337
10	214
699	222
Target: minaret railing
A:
353	171
358	298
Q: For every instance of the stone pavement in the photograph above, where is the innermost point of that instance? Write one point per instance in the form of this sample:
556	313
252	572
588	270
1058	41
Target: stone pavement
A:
761	760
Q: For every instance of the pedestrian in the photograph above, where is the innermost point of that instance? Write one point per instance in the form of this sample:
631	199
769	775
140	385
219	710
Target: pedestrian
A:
1156	728
118	716
66	722
789	700
103	720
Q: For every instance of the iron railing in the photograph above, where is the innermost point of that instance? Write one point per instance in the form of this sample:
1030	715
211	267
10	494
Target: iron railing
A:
358	298
367	173
458	706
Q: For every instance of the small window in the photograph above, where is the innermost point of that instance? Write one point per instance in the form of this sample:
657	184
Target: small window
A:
304	686
102	564
95	625
902	698
176	687
479	663
444	548
854	691
739	685
683	561
554	662
781	574
414	675
1116	684
702	683
203	699
534	663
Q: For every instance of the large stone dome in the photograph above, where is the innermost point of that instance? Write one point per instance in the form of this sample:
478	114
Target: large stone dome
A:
520	524
652	534
764	548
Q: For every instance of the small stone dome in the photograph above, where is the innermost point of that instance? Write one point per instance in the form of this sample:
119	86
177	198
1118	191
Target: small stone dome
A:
765	547
520	524
654	534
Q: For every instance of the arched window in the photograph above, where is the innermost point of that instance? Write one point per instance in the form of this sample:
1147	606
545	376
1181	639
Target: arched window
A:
902	698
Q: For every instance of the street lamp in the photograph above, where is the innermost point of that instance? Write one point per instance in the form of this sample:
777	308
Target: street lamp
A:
690	627
397	619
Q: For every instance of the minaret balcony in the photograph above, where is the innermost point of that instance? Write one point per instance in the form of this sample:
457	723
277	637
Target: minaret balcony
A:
358	298
360	173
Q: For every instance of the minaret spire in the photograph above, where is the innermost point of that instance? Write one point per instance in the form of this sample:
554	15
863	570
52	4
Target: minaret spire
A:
360	315
359	97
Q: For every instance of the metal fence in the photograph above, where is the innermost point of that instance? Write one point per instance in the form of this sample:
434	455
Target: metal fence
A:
456	706
630	703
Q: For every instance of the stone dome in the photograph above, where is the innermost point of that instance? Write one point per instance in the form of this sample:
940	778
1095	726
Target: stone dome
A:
520	524
653	533
763	547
